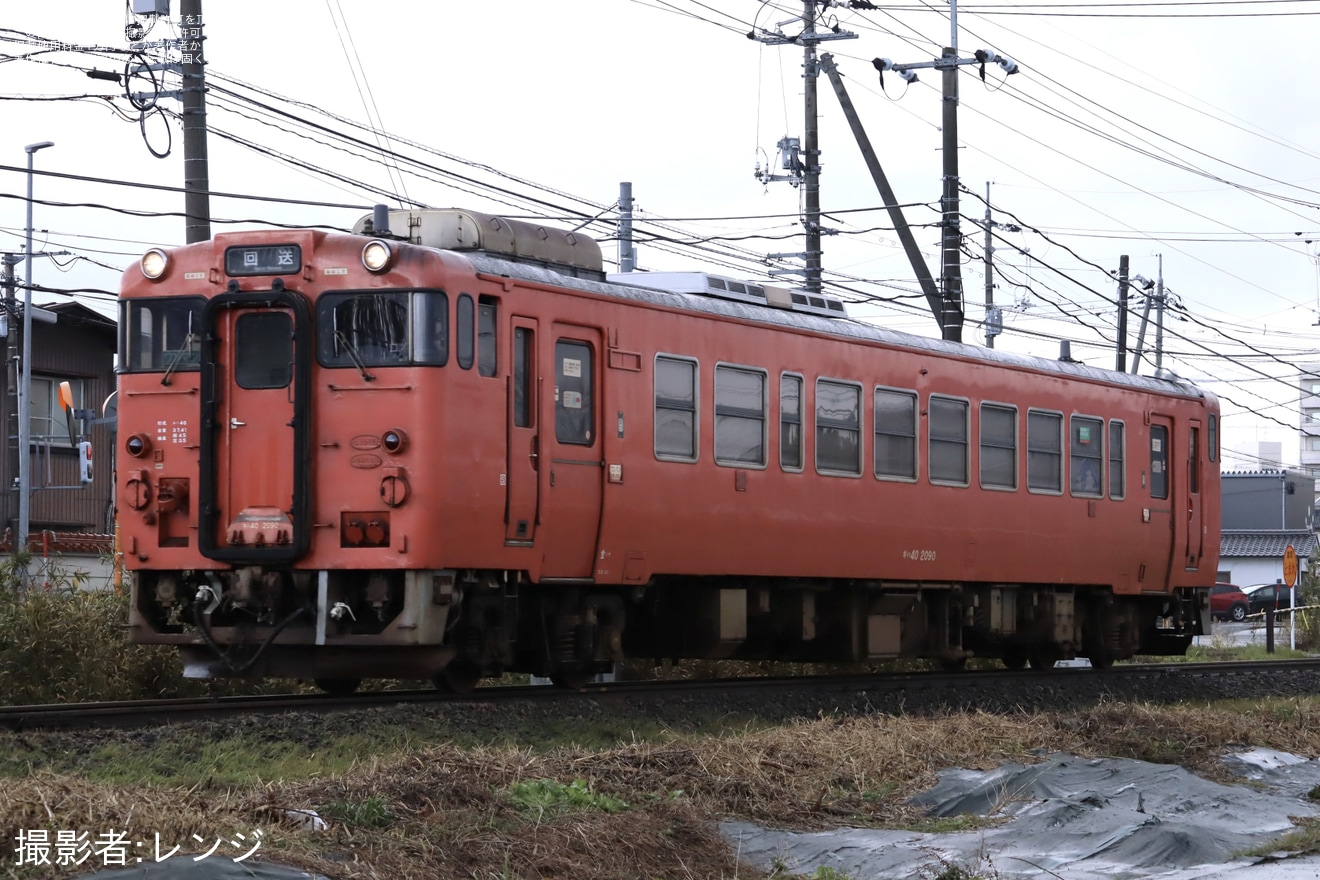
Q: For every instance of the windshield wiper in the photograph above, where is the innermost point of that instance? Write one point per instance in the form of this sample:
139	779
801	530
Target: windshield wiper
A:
178	358
353	354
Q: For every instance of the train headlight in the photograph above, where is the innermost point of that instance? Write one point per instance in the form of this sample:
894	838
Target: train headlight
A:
138	445
377	255
154	263
394	441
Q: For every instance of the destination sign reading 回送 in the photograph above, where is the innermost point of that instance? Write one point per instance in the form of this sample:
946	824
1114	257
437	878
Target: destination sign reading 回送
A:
266	259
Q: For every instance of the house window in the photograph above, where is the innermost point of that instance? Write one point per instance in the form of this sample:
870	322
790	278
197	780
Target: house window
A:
895	434
47	421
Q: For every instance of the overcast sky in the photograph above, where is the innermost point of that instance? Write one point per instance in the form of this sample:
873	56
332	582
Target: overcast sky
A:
1181	130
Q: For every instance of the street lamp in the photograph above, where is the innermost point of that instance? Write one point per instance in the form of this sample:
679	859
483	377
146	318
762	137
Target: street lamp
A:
25	386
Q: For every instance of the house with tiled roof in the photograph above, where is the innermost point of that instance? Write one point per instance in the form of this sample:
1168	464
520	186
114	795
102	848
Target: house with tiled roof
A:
1264	511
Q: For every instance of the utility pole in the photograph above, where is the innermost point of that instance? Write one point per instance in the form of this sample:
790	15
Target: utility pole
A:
805	164
1120	361
627	253
811	148
1159	317
11	383
994	318
951	238
196	169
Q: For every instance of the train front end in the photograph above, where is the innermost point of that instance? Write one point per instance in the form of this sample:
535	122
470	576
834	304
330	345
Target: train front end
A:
254	369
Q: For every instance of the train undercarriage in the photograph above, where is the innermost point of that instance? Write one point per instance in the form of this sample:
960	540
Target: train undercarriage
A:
454	627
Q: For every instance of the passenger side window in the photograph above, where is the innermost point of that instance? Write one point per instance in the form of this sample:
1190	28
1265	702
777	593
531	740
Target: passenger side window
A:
675	408
998	446
790	422
838	428
895	434
1117	460
1044	451
948	441
739	416
1087	456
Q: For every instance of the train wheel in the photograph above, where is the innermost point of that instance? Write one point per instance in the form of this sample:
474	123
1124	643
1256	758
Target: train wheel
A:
1015	661
1101	659
571	680
1045	658
458	678
338	687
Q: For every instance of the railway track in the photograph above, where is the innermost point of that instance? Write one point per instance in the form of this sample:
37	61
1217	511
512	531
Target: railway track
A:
854	693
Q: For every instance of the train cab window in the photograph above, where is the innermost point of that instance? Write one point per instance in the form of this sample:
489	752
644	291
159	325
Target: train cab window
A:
838	428
263	350
948	441
1086	456
574	402
1117	460
790	422
895	434
463	342
382	329
523	358
675	408
486	336
1044	451
1159	461
998	446
161	334
740	404
1194	460
1212	437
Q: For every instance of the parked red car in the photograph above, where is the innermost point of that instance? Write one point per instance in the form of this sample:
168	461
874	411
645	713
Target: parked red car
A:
1228	602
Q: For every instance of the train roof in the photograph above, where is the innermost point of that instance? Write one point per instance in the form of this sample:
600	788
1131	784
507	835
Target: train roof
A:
825	326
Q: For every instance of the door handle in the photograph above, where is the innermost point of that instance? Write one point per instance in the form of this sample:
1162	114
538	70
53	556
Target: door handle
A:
235	423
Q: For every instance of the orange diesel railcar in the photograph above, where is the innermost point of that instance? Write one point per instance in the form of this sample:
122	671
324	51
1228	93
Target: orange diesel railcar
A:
461	449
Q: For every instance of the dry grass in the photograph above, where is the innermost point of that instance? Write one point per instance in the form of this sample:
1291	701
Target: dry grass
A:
446	811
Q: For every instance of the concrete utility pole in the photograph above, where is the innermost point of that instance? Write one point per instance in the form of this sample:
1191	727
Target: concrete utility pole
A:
1159	318
805	165
811	148
951	238
994	318
627	253
1120	361
25	385
196	169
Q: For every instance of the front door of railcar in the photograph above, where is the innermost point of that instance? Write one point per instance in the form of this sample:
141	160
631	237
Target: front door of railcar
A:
523	436
1192	492
1162	480
254	504
571	460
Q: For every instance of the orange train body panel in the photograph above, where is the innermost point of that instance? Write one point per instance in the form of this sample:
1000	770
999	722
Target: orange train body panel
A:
467	436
